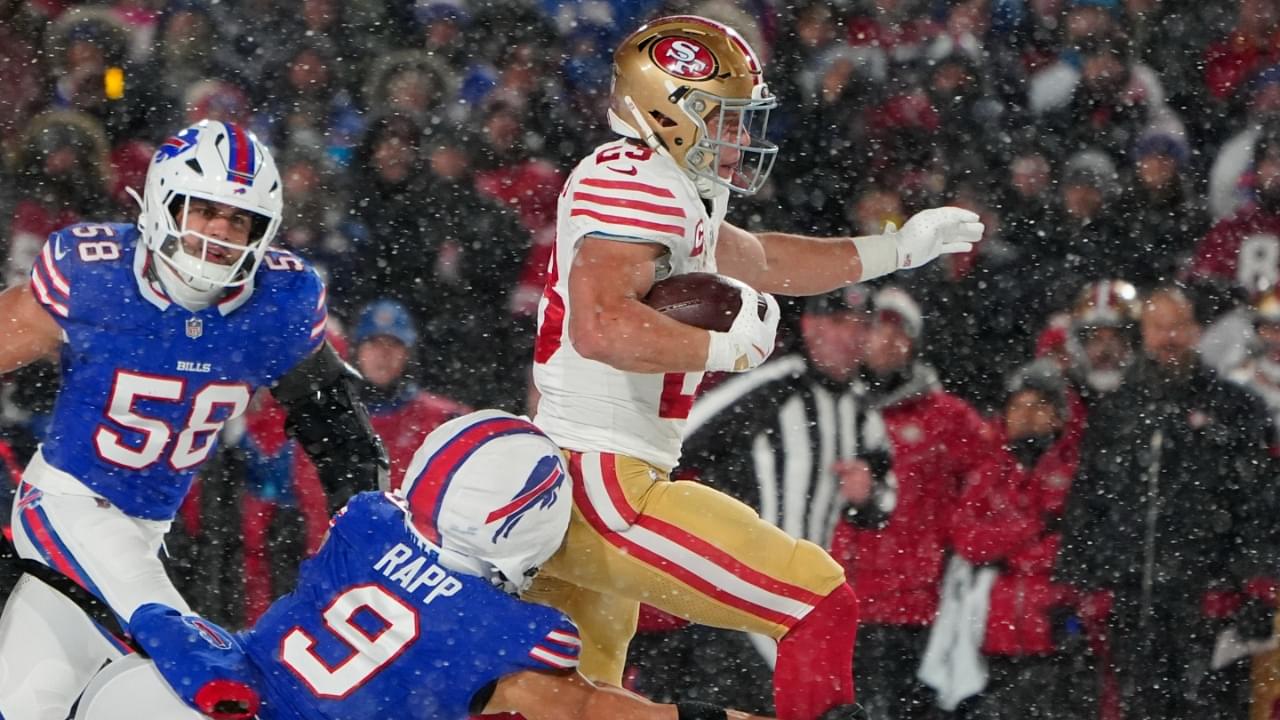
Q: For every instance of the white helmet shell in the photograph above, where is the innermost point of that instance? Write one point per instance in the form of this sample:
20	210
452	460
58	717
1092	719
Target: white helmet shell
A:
222	163
491	491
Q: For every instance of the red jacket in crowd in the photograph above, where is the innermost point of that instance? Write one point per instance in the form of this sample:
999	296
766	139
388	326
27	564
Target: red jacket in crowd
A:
1241	251
1007	515
403	425
936	440
1232	62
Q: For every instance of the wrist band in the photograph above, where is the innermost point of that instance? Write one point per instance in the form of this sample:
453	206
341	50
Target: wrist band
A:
694	710
878	255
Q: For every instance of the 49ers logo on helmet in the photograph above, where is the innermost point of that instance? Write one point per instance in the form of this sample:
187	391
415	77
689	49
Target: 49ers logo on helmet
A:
686	59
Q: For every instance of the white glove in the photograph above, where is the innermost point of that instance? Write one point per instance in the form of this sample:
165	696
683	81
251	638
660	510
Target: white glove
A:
928	234
933	232
750	338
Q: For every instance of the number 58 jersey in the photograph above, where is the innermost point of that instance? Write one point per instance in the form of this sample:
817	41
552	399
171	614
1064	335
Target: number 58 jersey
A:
626	193
378	629
147	384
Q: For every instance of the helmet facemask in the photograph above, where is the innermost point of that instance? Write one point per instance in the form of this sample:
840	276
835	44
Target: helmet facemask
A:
730	127
212	265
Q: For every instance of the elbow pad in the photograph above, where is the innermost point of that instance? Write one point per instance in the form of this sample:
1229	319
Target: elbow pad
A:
326	416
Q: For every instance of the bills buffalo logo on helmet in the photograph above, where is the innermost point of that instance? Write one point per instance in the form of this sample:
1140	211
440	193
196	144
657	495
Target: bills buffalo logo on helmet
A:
684	58
538	491
177	144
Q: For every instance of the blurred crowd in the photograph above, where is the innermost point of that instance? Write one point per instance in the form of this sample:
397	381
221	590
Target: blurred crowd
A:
1069	434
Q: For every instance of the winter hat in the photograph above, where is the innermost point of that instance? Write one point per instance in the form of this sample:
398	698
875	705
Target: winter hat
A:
385	318
1157	142
1093	168
895	305
1041	376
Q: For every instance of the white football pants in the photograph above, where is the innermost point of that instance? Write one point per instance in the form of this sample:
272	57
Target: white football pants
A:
49	649
132	688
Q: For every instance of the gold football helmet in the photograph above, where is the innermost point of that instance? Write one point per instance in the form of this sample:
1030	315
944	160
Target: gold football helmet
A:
693	90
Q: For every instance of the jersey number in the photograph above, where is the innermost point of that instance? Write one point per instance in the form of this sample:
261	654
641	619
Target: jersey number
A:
676	400
367	653
1258	263
95	251
195	439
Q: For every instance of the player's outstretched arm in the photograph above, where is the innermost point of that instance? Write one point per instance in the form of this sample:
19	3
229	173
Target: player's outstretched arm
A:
551	696
27	331
610	324
798	265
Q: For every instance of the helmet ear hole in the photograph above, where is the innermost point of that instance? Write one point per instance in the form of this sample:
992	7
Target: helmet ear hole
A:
663	120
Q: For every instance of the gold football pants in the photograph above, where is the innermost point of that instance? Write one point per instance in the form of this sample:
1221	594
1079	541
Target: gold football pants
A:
635	536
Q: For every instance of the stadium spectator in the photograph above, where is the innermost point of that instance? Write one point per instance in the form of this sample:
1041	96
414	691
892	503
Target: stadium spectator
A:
1010	517
1231	174
483	254
308	104
402	412
1261	371
1101	341
63	175
892	538
1167	217
1172	511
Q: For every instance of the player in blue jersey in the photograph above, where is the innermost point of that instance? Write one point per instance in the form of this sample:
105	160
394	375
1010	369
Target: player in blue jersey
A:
407	611
164	330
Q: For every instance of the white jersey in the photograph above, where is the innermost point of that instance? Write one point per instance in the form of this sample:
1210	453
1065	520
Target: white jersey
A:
623	192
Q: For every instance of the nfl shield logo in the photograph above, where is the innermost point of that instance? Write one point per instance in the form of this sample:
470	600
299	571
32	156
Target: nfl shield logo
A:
195	327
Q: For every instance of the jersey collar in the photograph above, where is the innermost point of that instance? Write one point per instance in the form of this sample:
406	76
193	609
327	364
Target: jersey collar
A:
148	284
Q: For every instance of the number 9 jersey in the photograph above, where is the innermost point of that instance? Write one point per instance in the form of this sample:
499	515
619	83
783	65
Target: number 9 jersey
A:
147	384
378	629
623	192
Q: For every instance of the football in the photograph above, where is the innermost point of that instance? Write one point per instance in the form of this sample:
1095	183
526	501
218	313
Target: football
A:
703	300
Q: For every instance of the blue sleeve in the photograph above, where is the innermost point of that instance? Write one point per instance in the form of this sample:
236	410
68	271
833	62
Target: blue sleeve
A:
301	299
54	275
61	276
554	643
202	662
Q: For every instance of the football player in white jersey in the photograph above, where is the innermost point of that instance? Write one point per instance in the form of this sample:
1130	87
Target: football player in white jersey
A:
617	378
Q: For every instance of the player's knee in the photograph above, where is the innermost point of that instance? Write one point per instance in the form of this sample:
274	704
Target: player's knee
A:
820	572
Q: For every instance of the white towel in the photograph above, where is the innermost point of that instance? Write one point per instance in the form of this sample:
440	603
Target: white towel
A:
953	664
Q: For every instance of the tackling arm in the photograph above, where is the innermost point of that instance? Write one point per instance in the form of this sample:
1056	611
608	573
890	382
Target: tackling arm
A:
548	696
327	417
29	332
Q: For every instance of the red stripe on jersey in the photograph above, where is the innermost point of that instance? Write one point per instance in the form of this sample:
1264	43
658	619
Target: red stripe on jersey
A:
701	547
55	275
546	657
632	222
632	204
609	473
42	294
629	185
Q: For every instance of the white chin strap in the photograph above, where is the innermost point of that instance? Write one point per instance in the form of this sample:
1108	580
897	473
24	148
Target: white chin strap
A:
179	277
706	188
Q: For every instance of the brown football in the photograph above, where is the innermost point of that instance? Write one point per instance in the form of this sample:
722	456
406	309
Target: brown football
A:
703	300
